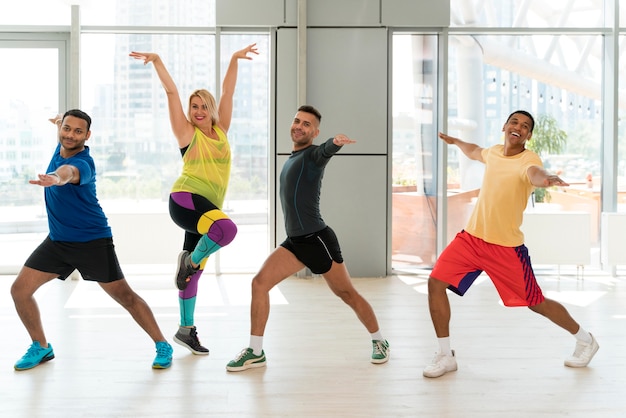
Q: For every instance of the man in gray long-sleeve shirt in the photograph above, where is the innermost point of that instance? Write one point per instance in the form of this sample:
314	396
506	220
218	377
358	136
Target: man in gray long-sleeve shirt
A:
310	242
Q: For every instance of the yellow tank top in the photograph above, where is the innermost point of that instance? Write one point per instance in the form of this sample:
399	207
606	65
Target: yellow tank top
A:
206	167
503	196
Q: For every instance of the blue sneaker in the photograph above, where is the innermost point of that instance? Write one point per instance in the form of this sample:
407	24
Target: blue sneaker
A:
35	355
163	359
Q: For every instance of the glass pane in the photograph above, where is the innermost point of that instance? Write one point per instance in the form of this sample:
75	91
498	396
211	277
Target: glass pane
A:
36	13
247	198
558	80
195	13
137	154
414	123
621	145
29	97
527	13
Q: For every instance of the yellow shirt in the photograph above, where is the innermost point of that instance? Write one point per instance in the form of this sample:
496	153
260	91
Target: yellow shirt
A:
503	196
206	167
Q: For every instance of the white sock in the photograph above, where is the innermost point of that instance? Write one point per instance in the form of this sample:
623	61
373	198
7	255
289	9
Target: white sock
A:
444	346
256	344
377	336
583	336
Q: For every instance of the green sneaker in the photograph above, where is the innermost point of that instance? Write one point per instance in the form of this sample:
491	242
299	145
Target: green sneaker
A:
380	351
246	360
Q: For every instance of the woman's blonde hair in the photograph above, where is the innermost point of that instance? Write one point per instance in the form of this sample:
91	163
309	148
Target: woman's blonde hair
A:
209	101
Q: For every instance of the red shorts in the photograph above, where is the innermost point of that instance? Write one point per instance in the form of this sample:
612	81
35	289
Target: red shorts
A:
508	268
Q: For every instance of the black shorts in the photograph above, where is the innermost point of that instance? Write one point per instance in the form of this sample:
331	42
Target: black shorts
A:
317	251
95	260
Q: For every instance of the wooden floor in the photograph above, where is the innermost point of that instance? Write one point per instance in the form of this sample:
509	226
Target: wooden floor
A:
510	360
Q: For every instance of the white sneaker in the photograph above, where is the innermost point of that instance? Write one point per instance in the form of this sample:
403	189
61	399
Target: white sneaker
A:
583	353
441	365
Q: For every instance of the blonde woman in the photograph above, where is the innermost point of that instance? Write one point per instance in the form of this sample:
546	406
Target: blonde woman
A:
198	194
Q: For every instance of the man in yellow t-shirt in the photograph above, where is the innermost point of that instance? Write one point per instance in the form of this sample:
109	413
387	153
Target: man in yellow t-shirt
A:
493	242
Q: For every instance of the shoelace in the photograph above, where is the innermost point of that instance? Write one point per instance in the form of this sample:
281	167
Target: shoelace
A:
378	348
580	347
241	355
194	336
438	357
163	350
33	351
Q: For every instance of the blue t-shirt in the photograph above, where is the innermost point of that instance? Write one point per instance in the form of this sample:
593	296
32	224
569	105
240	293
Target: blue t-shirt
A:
74	213
300	187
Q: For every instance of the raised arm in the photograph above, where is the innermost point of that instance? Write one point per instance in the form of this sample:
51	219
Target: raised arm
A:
539	177
472	151
225	106
182	128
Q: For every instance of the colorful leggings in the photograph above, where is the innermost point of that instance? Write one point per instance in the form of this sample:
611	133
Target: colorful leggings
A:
207	229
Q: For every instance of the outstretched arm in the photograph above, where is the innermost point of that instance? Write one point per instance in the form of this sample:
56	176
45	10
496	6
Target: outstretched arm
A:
472	151
225	106
62	175
183	129
539	177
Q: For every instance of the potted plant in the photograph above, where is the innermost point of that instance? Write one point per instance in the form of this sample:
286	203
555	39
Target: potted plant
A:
547	138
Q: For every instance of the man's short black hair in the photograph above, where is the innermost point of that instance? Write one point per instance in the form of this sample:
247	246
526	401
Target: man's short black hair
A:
79	114
310	109
525	113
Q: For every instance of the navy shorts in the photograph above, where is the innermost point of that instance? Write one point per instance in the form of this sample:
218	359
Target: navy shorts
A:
95	260
317	251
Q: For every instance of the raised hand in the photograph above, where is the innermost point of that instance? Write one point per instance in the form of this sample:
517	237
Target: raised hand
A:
147	57
243	53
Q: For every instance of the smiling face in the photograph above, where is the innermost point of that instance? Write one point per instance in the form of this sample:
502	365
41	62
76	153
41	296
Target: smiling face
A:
202	110
199	113
517	130
73	133
304	128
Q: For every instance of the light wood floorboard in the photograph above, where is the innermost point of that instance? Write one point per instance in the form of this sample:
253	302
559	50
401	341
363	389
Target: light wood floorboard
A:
510	359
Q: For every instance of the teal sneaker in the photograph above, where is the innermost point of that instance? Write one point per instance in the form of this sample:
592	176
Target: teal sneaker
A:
380	351
35	355
246	360
163	359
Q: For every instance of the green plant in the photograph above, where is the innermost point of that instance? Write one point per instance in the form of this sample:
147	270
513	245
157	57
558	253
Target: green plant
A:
547	138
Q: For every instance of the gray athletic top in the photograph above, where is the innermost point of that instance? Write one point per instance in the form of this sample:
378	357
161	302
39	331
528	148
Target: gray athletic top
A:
300	187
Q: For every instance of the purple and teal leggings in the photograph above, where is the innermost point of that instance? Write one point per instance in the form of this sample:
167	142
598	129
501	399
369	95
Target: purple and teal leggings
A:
207	229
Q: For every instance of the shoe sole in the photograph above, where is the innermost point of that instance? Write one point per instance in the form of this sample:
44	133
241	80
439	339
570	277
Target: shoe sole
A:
432	375
382	360
43	360
246	367
579	365
188	347
184	284
161	366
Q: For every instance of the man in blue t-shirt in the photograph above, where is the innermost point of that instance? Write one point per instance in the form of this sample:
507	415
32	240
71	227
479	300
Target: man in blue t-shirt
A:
79	239
310	242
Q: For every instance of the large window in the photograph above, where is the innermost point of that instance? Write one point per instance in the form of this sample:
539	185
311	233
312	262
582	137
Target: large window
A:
29	97
563	92
414	131
136	155
527	13
134	148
